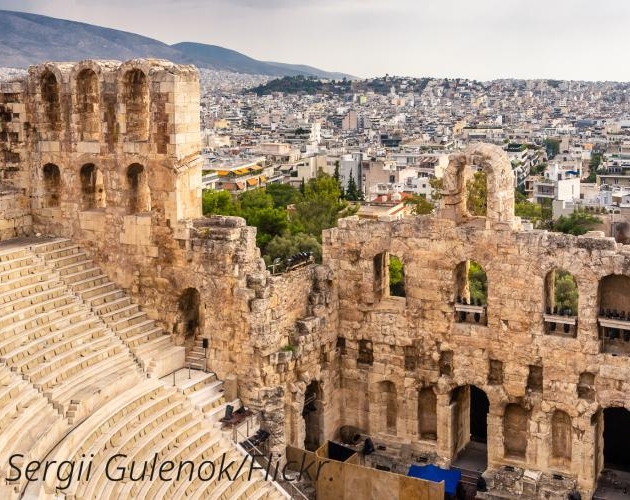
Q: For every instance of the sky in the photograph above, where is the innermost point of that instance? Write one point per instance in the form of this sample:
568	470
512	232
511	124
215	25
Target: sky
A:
480	39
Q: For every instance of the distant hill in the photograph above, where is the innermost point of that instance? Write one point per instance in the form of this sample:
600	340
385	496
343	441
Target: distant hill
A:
215	57
311	86
27	39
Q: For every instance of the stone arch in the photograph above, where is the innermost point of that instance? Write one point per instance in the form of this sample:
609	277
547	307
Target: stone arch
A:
135	97
470	407
561	300
52	185
613	297
189	314
561	439
616	438
494	163
139	192
380	273
88	105
396	281
614	294
471	292
50	95
427	414
515	429
387	399
312	412
92	187
386	266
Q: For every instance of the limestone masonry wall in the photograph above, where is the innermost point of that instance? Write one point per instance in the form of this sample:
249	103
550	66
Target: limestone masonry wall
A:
107	153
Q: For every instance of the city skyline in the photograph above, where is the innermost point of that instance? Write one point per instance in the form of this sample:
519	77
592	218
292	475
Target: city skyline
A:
572	40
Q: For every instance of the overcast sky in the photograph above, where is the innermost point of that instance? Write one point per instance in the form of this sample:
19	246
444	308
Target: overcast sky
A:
482	39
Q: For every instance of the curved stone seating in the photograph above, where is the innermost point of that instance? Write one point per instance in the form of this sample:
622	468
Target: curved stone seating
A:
23	334
19	404
37	313
76	342
130	437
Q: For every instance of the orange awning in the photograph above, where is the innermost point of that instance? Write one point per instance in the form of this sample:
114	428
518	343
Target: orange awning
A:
222	173
252	182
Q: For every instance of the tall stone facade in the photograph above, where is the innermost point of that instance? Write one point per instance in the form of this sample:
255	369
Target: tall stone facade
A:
107	153
411	362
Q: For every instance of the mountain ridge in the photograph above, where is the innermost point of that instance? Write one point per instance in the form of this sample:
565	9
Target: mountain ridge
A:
27	38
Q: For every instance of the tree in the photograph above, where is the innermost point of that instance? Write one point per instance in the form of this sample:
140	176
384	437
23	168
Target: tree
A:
289	244
477	199
593	166
283	195
217	203
437	185
396	277
566	292
352	192
528	210
336	174
321	207
477	283
269	222
420	205
552	146
254	200
579	222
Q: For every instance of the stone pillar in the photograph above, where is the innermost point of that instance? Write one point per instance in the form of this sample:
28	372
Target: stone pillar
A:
445	432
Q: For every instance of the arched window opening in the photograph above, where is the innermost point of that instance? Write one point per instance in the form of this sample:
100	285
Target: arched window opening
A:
427	414
561	439
396	277
88	106
561	303
49	89
311	413
515	422
189	315
471	286
614	314
92	187
617	439
139	192
52	185
469	408
389	405
381	275
136	100
477	194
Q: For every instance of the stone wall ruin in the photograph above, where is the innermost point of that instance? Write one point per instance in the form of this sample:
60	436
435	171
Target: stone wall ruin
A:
107	153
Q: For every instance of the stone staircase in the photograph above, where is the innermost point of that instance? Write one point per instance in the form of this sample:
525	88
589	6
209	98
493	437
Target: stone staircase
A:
79	363
196	356
203	390
150	345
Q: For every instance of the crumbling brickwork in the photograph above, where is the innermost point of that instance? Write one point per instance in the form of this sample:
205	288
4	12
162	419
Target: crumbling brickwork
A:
544	390
107	153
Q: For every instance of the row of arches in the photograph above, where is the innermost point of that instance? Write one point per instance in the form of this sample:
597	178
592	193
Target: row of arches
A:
92	187
134	98
469	407
561	293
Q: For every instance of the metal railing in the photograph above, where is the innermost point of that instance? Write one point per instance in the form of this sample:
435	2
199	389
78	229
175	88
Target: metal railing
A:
264	457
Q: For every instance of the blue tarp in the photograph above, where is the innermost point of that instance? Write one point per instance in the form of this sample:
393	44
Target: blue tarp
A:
433	473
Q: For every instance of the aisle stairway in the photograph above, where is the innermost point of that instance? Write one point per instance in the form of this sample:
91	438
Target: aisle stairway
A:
78	368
